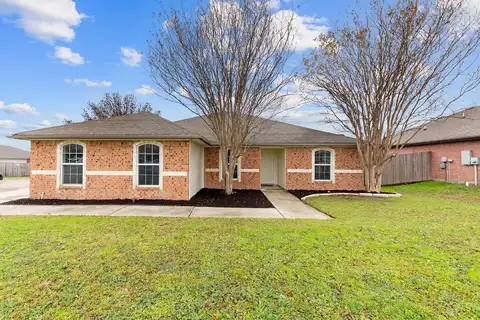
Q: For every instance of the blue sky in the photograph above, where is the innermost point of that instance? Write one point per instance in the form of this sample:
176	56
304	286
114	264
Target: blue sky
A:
57	55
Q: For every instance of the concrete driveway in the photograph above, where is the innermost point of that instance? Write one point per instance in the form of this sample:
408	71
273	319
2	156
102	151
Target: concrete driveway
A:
11	189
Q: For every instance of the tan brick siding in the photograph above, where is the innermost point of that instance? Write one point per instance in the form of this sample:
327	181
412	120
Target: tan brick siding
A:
211	158
43	155
345	159
296	158
118	156
458	172
99	151
248	180
175	156
109	156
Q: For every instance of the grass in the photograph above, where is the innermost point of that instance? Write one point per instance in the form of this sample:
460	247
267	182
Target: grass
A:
415	257
15	178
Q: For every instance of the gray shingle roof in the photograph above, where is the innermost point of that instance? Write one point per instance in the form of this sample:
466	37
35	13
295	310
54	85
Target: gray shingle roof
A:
8	152
276	134
144	125
462	125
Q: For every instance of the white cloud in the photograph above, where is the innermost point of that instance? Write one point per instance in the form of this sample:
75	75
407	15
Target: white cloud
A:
45	20
45	123
62	116
18	108
131	57
7	124
40	125
67	56
145	89
88	83
310	118
306	28
274	4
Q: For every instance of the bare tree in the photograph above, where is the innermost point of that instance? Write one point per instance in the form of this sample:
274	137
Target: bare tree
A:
224	62
114	104
388	70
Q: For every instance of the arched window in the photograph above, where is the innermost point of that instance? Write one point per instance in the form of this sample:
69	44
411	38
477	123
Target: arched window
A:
148	162
322	165
73	164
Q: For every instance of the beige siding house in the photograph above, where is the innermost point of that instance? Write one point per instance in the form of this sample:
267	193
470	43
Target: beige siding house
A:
9	154
144	156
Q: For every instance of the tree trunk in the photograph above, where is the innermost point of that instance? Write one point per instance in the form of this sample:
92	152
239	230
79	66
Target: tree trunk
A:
228	183
227	172
373	179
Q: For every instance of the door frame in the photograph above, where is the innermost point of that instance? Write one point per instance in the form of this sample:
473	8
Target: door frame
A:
279	152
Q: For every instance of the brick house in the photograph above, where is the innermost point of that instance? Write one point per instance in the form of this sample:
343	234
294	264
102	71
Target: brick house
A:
144	156
446	138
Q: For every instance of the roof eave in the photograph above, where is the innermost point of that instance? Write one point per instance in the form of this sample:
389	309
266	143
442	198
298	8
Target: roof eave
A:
331	144
25	137
424	143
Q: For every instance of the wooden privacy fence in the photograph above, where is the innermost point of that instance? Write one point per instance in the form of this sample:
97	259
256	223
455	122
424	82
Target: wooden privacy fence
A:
10	169
406	168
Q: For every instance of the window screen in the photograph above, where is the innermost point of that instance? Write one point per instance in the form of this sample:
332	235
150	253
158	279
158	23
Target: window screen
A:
72	164
322	165
148	165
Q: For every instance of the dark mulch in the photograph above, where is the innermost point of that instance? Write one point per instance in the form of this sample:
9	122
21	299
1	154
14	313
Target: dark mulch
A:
204	198
302	193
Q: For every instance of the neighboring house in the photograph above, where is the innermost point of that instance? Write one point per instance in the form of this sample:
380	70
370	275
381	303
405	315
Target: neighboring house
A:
144	156
446	138
14	155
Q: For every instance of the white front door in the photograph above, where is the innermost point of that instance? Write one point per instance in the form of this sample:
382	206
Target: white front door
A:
268	165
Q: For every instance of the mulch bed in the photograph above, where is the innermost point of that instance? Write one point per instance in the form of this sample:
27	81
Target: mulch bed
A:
204	198
302	193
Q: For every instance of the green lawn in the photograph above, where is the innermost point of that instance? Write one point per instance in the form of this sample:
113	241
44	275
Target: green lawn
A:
414	257
15	178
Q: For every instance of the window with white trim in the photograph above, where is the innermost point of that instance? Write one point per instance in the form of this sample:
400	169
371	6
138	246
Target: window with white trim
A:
322	165
235	170
148	163
73	164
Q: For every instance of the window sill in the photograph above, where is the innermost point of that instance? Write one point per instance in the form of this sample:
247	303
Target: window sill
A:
322	181
147	187
71	186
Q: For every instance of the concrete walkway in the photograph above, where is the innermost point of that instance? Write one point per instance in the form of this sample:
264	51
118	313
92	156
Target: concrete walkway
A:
290	207
140	211
286	207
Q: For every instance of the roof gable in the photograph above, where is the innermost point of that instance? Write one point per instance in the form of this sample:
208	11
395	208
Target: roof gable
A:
145	125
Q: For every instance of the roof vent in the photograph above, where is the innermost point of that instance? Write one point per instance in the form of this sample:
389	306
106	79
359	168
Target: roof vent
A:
424	128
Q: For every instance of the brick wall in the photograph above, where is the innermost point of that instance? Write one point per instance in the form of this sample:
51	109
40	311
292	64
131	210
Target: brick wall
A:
458	172
108	156
296	158
248	180
345	159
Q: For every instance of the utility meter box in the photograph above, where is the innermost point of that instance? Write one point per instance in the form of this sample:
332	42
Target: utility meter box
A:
466	157
444	159
442	165
475	160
